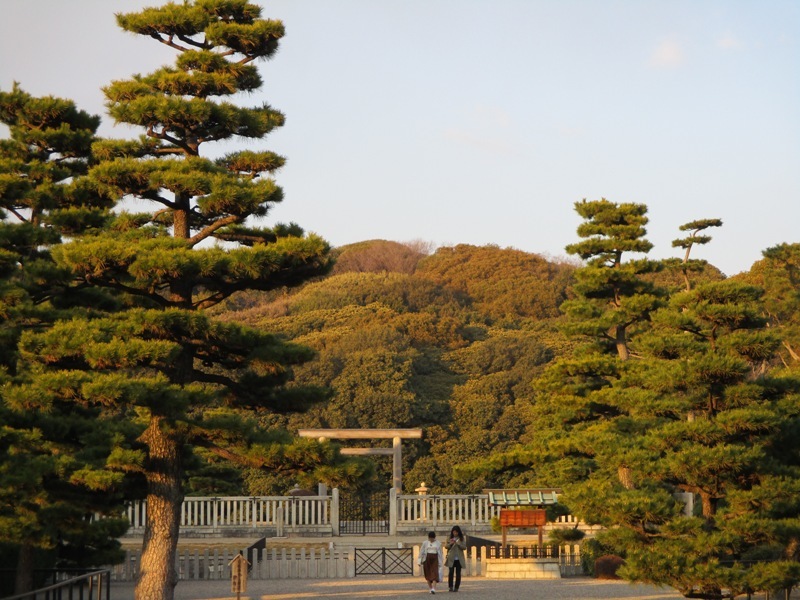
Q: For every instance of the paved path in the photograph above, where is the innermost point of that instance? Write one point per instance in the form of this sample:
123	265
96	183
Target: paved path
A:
389	587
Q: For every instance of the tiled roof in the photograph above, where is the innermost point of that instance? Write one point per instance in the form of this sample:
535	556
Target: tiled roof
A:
532	497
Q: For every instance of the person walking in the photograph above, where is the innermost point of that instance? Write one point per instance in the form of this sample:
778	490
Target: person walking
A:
431	557
455	545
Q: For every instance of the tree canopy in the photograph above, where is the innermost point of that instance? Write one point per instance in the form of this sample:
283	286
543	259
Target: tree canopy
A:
693	407
185	383
53	473
145	353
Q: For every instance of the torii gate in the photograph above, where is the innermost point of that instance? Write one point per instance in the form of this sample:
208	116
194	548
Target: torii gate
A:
368	434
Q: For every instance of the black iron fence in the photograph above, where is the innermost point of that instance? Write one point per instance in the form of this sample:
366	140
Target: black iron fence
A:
362	514
72	585
384	561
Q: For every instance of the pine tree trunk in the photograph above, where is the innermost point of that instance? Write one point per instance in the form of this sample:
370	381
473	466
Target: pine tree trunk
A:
792	353
157	576
24	577
625	476
622	343
709	506
180	217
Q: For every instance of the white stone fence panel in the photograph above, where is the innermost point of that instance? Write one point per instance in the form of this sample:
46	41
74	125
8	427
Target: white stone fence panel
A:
302	563
319	515
283	563
278	514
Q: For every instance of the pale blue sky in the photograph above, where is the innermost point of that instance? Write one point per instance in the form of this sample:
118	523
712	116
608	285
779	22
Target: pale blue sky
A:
483	121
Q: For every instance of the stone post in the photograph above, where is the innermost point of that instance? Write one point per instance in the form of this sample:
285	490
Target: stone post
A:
422	490
335	511
392	511
279	521
397	464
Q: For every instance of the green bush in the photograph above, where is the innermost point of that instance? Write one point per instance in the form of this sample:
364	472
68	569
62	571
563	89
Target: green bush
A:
606	566
566	535
591	549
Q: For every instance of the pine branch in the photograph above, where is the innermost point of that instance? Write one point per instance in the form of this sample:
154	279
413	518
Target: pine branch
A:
169	150
196	44
208	231
200	438
158	213
14	212
792	353
246	461
151	132
115	285
156	197
217	297
168	42
222	380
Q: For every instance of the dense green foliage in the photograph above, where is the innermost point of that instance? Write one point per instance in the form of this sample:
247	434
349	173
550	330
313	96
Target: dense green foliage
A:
53	472
696	406
439	347
779	274
182	387
136	349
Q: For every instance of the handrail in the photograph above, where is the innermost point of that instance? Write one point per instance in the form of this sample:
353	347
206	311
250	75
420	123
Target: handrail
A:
70	584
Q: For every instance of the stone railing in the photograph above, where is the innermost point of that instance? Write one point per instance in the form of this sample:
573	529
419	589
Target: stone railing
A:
283	563
420	512
319	515
308	563
237	514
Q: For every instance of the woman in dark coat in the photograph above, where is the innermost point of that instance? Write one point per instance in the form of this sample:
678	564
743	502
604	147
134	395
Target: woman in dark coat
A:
455	557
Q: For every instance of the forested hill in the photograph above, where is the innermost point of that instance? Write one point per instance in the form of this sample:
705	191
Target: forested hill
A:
449	342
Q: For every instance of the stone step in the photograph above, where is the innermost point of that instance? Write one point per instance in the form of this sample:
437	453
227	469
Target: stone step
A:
522	568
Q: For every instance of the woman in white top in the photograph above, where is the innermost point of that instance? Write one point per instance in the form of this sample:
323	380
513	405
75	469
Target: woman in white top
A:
431	557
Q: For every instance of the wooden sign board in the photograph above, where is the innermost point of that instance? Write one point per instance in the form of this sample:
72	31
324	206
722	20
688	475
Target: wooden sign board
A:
239	574
522	518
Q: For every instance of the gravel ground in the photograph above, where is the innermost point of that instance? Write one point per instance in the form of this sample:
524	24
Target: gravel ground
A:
573	588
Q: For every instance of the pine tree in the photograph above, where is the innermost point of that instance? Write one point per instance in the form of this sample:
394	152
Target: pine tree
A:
697	414
43	196
181	378
612	298
53	475
611	294
724	432
700	414
578	415
779	274
687	264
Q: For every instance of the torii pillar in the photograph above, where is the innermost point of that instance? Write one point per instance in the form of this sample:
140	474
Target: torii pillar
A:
396	452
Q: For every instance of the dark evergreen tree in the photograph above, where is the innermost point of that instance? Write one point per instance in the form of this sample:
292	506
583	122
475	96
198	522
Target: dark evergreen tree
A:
182	379
687	264
721	429
577	415
53	476
697	415
611	296
779	274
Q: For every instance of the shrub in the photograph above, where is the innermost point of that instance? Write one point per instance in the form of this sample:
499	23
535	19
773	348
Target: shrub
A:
606	566
566	535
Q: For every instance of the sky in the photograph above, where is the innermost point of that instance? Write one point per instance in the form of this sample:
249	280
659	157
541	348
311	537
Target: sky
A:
484	121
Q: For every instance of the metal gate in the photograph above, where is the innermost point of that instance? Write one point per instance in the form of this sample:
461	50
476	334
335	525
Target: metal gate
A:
384	561
360	514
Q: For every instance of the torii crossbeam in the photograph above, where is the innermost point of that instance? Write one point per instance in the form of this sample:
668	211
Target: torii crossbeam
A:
396	435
